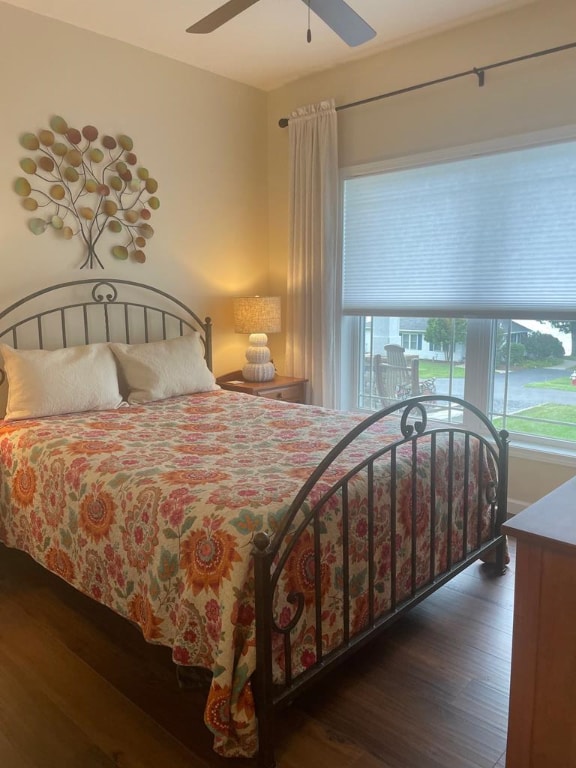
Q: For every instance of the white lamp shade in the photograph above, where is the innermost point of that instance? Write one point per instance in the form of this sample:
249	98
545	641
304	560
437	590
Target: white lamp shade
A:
257	315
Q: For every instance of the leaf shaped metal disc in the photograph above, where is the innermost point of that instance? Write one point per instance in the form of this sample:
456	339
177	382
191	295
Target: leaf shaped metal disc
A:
74	157
71	174
22	187
151	185
28	165
47	164
57	191
120	252
90	133
58	124
46	138
37	226
125	142
29	141
131	216
73	135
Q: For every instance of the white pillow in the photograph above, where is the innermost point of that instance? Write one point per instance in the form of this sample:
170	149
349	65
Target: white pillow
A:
47	383
161	369
3	391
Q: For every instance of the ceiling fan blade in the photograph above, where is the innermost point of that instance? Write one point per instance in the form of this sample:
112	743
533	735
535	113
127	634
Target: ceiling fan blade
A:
343	20
220	16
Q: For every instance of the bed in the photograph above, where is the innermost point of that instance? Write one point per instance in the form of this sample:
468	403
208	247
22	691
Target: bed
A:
261	541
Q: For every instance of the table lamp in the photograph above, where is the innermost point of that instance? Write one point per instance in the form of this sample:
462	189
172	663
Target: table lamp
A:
258	316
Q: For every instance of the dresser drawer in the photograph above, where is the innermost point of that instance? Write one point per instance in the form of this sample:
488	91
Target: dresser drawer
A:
293	393
287	388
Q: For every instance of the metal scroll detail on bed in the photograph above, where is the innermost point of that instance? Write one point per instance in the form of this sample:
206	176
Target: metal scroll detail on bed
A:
397	507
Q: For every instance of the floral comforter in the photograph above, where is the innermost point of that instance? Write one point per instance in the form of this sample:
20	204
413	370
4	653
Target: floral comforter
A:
151	511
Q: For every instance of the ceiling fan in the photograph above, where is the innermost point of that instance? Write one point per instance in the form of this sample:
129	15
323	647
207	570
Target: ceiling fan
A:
337	14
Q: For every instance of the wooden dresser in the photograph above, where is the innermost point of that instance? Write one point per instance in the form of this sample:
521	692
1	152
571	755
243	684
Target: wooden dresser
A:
542	720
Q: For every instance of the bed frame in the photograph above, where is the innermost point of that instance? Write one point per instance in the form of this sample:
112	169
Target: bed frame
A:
95	311
122	310
271	553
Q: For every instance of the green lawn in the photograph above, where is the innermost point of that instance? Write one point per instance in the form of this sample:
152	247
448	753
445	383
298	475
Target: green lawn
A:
564	383
542	421
438	369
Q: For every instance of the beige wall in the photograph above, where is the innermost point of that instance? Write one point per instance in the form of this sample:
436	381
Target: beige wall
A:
517	99
203	137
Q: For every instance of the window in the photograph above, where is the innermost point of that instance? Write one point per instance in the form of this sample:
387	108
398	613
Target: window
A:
411	340
445	256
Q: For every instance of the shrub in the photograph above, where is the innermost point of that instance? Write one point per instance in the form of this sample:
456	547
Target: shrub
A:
540	346
517	354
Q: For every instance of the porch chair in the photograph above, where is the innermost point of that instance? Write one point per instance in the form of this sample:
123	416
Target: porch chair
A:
396	376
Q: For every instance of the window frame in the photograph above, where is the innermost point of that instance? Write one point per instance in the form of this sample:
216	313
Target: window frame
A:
479	368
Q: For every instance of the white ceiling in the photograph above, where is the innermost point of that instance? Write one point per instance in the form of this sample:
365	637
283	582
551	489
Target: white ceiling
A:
265	46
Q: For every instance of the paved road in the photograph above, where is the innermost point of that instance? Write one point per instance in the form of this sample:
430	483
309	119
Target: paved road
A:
519	395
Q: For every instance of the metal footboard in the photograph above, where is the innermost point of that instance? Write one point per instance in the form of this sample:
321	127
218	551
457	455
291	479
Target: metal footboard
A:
467	462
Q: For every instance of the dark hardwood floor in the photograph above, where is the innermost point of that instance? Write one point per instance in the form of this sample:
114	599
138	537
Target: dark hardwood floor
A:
79	688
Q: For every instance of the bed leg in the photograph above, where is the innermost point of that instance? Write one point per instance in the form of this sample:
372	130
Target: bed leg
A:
501	552
266	757
263	684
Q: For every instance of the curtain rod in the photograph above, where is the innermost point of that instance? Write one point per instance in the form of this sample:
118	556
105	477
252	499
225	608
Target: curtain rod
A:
479	72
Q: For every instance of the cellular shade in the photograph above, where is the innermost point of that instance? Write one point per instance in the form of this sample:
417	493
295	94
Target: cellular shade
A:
487	236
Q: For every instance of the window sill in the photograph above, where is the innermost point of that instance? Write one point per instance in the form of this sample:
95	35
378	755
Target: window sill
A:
565	457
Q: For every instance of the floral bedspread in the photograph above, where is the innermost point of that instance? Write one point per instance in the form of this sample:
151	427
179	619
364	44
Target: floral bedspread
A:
151	510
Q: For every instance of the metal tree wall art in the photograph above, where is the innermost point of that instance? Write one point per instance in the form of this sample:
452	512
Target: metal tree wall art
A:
82	190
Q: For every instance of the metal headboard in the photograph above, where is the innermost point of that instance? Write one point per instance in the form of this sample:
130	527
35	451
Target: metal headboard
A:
93	311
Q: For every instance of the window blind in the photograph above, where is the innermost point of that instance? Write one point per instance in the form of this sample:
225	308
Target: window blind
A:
487	236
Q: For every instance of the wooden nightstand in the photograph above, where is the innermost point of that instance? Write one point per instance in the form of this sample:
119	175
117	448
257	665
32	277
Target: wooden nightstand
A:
286	388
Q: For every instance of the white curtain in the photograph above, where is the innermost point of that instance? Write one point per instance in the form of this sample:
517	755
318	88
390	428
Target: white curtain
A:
312	314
